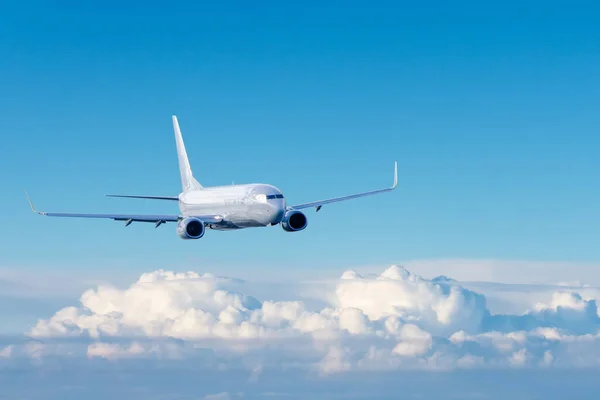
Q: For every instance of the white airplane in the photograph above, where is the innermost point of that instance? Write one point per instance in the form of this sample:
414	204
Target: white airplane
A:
222	207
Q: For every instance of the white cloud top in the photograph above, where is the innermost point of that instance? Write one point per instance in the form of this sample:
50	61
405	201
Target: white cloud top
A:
394	320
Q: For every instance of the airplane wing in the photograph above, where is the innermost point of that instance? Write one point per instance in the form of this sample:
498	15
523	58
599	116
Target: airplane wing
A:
173	198
157	219
320	203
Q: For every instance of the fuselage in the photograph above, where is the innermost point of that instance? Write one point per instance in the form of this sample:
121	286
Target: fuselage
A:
241	206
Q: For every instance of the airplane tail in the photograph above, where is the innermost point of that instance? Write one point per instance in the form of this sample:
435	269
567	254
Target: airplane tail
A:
188	182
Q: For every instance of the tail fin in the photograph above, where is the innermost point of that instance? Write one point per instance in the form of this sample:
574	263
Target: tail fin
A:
188	182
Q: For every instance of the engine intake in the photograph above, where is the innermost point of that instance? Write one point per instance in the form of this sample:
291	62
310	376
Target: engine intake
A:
190	228
294	221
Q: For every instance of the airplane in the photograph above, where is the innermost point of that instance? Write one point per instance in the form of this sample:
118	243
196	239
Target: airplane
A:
222	207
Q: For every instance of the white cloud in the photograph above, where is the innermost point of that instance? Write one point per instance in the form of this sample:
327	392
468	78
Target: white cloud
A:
223	396
394	320
440	308
6	352
509	271
116	351
413	341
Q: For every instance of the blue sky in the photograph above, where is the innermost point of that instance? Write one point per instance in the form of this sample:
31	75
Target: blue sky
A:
491	112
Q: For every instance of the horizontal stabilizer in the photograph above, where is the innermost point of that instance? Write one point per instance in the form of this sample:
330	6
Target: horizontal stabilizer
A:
173	198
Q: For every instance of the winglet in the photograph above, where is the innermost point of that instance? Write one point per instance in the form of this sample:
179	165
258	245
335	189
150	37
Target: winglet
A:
31	205
395	175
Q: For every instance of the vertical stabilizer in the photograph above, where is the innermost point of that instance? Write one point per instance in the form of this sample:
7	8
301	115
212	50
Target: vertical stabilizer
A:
188	182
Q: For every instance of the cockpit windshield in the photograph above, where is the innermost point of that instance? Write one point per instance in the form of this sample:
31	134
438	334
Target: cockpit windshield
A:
262	198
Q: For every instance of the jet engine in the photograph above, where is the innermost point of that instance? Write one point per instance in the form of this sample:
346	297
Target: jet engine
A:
293	221
190	228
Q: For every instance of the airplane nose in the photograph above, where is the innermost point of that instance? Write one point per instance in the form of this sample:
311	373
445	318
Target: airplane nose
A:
277	214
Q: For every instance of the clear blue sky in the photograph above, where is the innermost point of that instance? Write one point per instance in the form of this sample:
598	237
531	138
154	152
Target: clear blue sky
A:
492	112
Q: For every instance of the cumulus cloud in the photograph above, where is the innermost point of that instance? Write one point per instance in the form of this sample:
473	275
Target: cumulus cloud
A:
394	320
438	307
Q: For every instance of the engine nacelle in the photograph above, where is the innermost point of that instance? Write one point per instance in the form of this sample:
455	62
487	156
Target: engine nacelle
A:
293	221
190	228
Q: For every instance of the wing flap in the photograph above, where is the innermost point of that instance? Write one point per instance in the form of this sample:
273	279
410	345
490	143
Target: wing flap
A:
117	217
207	219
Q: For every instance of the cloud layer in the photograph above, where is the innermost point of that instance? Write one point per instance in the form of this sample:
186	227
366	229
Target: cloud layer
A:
395	320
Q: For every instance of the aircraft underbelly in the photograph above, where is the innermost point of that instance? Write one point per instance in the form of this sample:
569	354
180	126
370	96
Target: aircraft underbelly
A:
236	216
